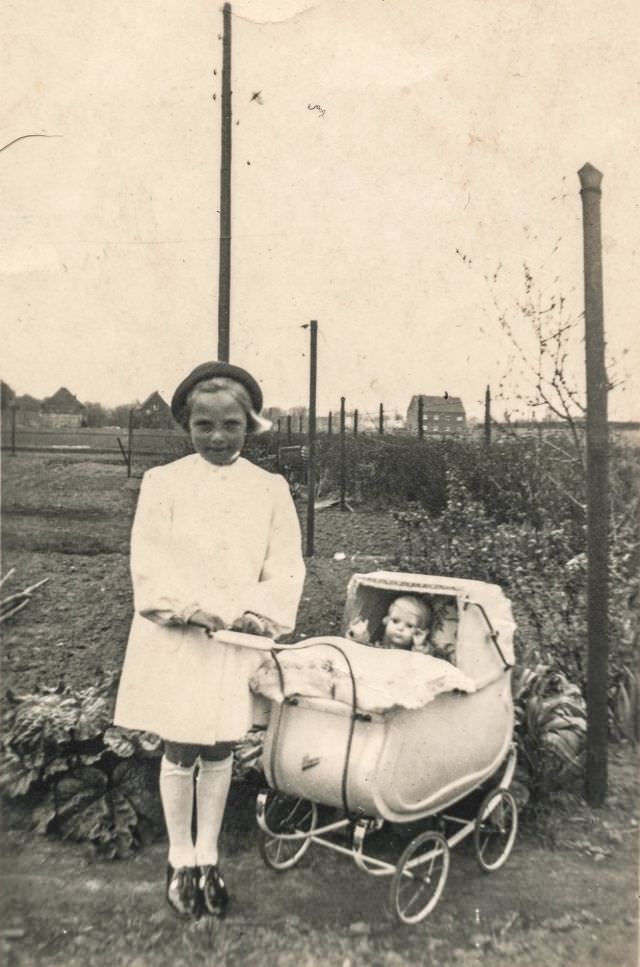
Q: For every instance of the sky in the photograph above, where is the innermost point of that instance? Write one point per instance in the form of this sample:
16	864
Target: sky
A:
401	165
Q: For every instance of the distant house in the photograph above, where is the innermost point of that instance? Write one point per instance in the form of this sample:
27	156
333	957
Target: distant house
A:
7	404
62	410
155	413
27	411
7	395
441	415
370	422
275	413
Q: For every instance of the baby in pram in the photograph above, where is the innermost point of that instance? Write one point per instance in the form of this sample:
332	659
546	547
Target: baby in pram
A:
405	625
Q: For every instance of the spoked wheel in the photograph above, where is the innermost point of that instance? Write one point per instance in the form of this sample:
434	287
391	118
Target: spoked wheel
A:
284	821
420	877
495	830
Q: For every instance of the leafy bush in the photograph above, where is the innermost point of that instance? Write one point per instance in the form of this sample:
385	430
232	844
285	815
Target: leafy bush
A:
77	775
541	566
525	478
380	470
550	729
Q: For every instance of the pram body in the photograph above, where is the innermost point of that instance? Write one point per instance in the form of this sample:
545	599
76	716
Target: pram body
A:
381	735
404	763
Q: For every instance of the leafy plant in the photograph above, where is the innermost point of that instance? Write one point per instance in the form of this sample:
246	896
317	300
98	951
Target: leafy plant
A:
624	703
78	775
540	563
550	729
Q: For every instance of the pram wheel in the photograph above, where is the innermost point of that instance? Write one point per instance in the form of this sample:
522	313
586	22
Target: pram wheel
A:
420	877
285	824
495	830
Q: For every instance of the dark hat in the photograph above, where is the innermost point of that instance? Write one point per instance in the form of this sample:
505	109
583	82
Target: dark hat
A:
213	370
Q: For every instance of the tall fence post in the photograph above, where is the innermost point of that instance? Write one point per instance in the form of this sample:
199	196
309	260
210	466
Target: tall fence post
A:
329	421
343	457
487	416
13	428
130	445
381	420
597	492
355	422
311	438
224	268
420	417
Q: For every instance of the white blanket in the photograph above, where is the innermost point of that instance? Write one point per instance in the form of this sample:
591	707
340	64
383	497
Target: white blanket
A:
384	678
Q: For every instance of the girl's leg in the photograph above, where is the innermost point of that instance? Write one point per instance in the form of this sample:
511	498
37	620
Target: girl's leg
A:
177	770
176	792
212	788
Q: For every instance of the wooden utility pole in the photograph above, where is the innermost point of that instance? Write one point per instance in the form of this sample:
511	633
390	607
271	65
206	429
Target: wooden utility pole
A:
343	456
224	278
12	406
381	420
130	445
487	416
420	417
597	491
311	437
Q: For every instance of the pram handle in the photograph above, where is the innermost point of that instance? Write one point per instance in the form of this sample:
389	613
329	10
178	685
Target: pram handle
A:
243	640
356	716
257	643
493	634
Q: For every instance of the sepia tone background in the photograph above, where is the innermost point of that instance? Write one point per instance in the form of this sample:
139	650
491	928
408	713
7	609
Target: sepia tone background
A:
396	153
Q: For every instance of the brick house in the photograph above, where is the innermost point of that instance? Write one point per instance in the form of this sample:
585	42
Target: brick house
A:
440	416
155	413
62	410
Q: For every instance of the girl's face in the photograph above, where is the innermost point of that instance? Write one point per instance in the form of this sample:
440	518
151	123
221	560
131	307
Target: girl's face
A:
217	427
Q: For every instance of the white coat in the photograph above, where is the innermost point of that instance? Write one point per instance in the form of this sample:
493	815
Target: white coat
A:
221	539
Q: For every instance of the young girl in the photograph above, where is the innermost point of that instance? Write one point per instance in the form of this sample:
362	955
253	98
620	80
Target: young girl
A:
215	544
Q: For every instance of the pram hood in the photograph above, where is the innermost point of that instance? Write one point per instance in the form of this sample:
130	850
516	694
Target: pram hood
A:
479	609
473	617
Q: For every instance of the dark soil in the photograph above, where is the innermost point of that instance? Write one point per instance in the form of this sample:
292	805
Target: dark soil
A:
567	894
69	521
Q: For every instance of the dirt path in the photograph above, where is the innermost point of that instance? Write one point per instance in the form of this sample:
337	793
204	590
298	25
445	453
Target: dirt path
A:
572	904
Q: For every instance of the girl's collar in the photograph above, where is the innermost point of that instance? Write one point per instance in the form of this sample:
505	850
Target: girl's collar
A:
219	467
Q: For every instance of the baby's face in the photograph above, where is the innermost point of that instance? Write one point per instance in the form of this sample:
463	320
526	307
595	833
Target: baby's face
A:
402	623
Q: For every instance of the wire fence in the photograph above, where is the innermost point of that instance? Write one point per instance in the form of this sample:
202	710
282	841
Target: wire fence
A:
351	465
282	449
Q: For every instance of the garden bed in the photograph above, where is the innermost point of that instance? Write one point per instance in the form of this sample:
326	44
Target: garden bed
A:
567	894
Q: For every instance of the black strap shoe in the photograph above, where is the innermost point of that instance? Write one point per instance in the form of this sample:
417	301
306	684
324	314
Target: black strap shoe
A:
213	892
182	891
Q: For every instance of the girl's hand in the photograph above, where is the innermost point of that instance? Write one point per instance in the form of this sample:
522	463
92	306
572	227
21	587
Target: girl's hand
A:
254	624
211	622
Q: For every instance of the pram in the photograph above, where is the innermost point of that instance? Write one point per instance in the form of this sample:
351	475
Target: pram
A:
359	736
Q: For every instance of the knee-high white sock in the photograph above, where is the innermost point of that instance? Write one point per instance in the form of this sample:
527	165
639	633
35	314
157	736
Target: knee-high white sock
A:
212	788
176	793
